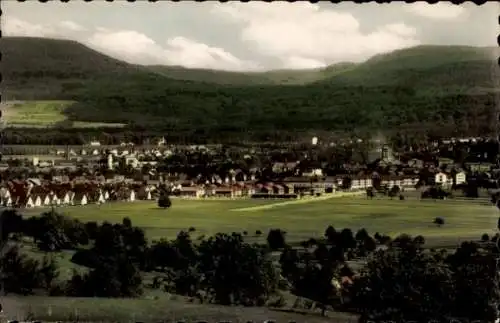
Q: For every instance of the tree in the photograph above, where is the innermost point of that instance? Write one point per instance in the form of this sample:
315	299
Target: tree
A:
394	191
164	201
276	239
401	286
331	234
236	272
439	221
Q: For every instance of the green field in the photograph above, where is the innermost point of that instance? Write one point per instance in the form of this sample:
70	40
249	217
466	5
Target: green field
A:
45	114
302	220
464	219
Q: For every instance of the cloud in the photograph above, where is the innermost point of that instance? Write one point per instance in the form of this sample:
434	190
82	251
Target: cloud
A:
302	32
70	25
12	26
439	10
297	62
133	46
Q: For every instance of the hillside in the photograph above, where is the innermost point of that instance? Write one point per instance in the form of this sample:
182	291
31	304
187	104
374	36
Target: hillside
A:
443	88
276	77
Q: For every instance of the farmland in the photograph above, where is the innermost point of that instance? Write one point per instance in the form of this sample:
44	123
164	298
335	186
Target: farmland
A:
18	114
464	219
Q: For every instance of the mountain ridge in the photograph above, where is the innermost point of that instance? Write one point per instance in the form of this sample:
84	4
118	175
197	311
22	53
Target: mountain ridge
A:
408	86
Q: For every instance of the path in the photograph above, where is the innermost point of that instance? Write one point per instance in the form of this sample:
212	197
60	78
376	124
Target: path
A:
297	201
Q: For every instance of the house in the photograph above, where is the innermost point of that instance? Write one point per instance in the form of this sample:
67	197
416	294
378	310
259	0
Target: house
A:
47	200
66	197
79	198
29	202
37	200
131	195
441	178
460	178
223	192
191	191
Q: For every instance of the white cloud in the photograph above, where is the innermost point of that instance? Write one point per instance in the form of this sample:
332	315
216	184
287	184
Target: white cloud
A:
439	10
135	47
290	31
70	25
132	46
297	62
12	26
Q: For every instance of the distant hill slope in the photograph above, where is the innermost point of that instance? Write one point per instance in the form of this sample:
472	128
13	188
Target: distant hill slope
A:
276	77
450	88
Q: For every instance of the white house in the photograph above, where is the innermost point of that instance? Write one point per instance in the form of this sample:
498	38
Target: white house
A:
101	198
37	201
7	201
47	200
460	178
131	196
441	178
67	198
29	202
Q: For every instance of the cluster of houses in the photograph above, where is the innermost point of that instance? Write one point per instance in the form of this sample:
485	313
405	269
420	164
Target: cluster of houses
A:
36	193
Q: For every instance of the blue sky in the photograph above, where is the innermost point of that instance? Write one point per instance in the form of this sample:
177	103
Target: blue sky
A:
252	36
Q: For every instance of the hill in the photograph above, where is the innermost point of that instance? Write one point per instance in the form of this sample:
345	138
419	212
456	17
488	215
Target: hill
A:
448	89
274	77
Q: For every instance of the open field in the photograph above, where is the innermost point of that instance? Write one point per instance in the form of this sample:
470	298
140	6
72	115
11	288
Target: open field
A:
44	114
165	308
464	219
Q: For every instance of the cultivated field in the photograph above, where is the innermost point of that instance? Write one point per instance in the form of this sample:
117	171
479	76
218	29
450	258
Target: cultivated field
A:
464	219
44	114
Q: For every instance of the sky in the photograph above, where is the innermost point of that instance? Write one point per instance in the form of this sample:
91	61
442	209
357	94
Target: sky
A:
252	36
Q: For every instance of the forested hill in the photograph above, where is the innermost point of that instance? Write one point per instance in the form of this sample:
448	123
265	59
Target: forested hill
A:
447	88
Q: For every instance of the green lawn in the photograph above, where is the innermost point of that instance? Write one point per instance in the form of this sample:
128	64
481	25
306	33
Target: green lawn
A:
464	219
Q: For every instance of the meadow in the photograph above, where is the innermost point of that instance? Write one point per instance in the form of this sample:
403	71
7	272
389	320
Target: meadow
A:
302	220
464	220
46	113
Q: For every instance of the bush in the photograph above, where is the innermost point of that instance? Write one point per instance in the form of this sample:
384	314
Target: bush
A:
258	233
439	221
276	239
485	237
164	202
331	234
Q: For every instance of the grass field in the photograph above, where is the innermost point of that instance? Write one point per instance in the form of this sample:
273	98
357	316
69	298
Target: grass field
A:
44	114
464	219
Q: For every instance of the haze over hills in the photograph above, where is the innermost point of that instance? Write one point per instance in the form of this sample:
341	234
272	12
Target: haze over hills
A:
444	86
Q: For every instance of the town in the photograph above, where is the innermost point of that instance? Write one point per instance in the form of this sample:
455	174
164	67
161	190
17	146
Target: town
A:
95	174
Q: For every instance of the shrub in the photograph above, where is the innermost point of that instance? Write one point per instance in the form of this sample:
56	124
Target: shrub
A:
485	237
258	232
276	239
439	221
164	202
330	234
